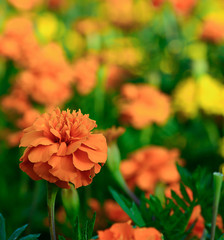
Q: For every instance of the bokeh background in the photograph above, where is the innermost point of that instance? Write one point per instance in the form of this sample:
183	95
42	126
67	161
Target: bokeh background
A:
154	67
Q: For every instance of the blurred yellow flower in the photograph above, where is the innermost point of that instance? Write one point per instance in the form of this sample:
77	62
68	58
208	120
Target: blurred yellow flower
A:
210	95
47	26
185	97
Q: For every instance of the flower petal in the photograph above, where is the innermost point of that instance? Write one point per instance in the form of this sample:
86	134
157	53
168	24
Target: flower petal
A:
42	153
34	139
96	141
81	161
42	170
27	167
95	155
63	168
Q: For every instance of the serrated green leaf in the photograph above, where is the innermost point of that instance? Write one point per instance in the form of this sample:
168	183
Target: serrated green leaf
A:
133	211
31	237
17	232
180	202
184	193
2	228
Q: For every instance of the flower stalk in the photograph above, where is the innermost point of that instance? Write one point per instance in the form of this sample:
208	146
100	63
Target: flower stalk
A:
218	178
113	164
51	196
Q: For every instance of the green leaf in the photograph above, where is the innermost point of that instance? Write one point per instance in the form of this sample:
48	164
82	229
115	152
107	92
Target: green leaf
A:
77	233
222	237
17	232
61	237
2	228
91	226
179	200
31	237
184	193
132	211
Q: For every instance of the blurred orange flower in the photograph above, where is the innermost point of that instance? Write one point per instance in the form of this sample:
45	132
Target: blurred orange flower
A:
109	211
213	31
183	7
114	212
180	7
142	105
124	231
61	149
18	41
85	74
25	4
150	165
17	101
115	76
48	78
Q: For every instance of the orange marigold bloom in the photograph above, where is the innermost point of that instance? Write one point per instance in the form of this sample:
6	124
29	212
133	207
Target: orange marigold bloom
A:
48	79
114	212
62	149
124	231
183	7
213	31
85	74
150	165
142	105
25	4
200	222
18	41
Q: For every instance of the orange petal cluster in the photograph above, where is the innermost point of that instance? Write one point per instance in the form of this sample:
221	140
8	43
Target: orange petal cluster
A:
142	105
61	149
85	74
148	166
18	41
125	231
109	211
25	4
48	77
180	7
213	31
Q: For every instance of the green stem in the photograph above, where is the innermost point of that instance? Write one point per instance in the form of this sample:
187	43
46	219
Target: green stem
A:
51	196
218	177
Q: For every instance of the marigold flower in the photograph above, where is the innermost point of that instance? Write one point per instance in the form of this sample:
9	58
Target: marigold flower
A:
213	31
61	149
25	4
114	212
115	77
18	41
150	165
142	105
124	231
85	74
48	79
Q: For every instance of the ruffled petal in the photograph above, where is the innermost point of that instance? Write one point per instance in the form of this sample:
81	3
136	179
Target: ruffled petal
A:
42	170
34	139
63	168
96	141
73	147
95	156
81	161
27	167
42	153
